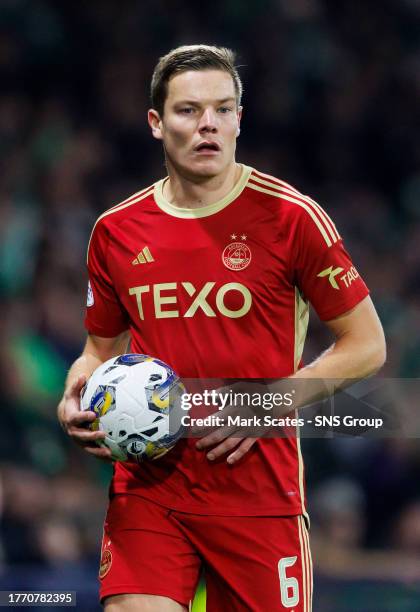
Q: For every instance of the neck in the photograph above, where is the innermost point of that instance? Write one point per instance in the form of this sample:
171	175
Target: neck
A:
186	192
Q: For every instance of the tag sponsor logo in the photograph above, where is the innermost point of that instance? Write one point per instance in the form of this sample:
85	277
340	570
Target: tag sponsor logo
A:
337	279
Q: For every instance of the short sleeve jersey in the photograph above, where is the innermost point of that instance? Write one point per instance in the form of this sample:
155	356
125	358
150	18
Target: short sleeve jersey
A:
220	292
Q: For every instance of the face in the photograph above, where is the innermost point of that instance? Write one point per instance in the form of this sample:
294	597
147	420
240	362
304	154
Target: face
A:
200	123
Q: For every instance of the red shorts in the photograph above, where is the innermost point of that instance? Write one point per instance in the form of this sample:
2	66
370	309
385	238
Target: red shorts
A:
255	563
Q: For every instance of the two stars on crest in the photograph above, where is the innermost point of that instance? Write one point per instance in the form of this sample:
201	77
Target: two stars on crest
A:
235	236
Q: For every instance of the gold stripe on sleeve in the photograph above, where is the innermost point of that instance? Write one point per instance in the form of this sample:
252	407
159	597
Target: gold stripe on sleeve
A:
300	203
288	189
129	202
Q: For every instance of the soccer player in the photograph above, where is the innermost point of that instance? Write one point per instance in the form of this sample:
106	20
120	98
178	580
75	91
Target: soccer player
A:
211	270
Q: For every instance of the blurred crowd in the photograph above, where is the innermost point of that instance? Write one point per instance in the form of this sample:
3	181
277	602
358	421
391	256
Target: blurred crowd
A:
331	105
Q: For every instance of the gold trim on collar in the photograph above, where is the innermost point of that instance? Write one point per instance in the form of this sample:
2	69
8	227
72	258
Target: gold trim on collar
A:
204	211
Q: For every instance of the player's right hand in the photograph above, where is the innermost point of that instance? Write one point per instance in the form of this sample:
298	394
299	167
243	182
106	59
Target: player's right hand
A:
75	422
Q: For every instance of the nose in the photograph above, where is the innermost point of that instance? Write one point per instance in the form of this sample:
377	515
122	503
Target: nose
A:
208	122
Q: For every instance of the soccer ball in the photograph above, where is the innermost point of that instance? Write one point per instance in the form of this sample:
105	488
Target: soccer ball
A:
137	402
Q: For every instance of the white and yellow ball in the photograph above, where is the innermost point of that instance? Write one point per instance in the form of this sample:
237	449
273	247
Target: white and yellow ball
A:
137	402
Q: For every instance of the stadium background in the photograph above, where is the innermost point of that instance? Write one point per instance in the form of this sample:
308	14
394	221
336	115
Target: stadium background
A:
332	106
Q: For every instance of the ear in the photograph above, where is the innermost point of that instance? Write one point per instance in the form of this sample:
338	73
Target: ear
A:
155	123
239	117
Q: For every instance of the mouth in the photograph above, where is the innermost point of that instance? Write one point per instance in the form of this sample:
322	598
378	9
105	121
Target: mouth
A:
207	148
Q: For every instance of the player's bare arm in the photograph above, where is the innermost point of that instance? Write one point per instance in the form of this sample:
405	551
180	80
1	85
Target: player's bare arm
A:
358	351
72	419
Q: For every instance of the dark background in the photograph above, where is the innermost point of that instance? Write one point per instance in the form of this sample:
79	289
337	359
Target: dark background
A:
331	105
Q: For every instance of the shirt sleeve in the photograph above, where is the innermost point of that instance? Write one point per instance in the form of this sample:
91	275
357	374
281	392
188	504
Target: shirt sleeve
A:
322	268
105	315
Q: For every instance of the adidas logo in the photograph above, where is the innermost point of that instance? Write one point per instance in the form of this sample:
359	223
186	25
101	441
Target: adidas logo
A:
144	256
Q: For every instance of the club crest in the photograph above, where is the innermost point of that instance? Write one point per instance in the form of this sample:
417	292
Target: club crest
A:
106	562
236	256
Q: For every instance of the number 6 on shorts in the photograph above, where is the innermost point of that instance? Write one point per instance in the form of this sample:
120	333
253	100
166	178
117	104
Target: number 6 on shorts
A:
288	584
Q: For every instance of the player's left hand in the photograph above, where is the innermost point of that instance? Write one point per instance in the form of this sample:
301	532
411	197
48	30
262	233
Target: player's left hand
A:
226	437
243	445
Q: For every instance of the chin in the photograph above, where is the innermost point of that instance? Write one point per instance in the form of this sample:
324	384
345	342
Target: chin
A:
206	168
199	168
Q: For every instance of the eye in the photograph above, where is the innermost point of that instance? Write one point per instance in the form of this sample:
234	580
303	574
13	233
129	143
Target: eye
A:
224	109
187	110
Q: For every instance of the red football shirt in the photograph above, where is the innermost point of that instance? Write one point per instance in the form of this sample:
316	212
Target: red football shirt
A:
219	292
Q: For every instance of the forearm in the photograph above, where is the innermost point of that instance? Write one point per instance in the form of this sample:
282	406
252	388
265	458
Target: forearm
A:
96	351
83	366
349	359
